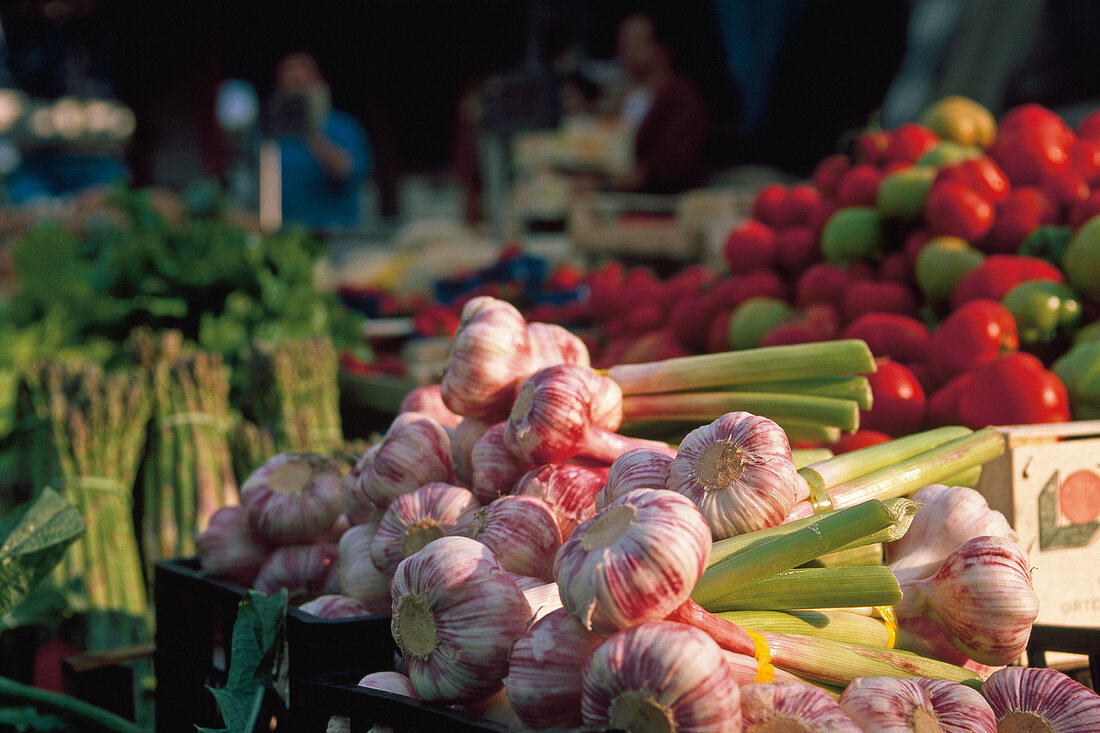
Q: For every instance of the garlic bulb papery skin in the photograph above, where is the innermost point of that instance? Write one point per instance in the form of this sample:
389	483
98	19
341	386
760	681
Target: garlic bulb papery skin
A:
544	671
569	490
660	676
456	615
359	578
739	471
357	508
419	517
415	451
228	547
490	356
1027	699
293	497
637	559
543	599
427	400
916	704
551	420
496	708
306	571
495	468
981	597
948	517
923	636
773	707
522	532
463	439
552	344
638	468
335	606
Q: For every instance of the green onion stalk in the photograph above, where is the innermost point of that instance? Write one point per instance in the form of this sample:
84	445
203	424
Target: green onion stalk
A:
92	432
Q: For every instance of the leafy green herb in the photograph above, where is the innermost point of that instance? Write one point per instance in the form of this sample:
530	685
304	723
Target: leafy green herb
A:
33	540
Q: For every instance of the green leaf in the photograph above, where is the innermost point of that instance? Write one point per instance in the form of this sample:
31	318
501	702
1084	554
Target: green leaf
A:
29	719
33	539
254	660
43	607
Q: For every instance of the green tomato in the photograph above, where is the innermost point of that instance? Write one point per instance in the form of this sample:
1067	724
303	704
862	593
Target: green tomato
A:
1042	308
752	319
852	233
1081	261
901	195
942	262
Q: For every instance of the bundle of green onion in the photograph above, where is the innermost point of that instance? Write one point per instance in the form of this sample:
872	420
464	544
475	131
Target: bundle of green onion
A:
87	441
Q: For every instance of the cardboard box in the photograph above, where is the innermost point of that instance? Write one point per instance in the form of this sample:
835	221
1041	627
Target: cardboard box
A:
1047	484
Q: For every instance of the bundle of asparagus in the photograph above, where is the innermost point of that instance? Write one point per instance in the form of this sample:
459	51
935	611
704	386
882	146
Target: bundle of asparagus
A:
294	391
188	472
251	446
88	443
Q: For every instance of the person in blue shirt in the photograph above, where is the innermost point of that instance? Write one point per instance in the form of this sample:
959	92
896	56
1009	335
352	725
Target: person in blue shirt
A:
325	156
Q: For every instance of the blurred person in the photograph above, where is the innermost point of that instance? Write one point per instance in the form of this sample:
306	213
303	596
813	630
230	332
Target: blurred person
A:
325	155
664	108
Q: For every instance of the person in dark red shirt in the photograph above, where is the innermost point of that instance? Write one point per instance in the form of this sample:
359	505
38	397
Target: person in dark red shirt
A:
665	109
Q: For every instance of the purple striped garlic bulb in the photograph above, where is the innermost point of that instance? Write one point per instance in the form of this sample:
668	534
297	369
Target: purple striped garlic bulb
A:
792	706
950	516
456	615
335	606
419	517
428	400
638	559
293	498
544	672
415	451
1026	699
522	532
359	578
895	705
306	571
491	354
229	548
981	597
660	676
739	471
552	419
569	490
463	439
638	468
495	468
551	344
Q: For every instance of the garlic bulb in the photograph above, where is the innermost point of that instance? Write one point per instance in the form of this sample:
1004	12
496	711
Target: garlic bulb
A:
359	578
306	571
456	615
543	598
739	471
495	468
950	516
895	705
1026	699
569	489
497	709
924	636
415	451
335	606
551	344
357	508
387	682
522	532
660	676
333	534
229	548
415	519
981	597
551	419
491	354
544	671
463	439
428	400
293	498
792	706
637	559
638	468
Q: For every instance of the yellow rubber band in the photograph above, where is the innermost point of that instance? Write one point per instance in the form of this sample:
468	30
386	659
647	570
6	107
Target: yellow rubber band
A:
890	620
765	672
603	372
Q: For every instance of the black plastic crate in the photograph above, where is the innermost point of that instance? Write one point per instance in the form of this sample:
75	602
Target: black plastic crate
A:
1073	640
195	616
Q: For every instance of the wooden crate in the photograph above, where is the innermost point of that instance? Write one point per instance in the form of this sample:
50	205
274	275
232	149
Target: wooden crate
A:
630	225
1047	484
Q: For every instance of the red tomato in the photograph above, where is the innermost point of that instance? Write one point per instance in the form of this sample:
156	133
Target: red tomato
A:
827	174
1085	210
943	405
898	402
910	141
869	296
751	246
895	266
689	321
982	174
1014	389
797	207
1024	210
818	322
823	282
1085	159
870	147
1065	188
858	186
974	333
997	274
1090	126
892	335
956	209
797	249
862	438
767	204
